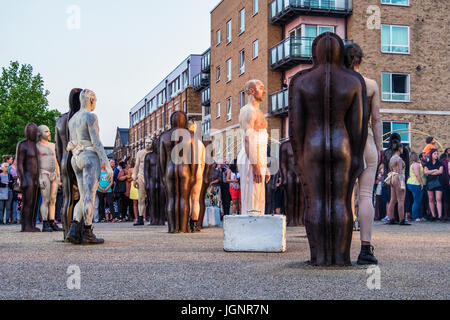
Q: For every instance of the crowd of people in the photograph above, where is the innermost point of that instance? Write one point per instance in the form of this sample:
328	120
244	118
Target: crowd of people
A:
422	194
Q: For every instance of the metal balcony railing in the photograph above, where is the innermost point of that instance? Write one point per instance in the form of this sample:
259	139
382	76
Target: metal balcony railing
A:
284	11
279	102
201	81
206	97
291	52
206	62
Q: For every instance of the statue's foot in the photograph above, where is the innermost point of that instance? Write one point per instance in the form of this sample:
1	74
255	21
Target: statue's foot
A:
89	237
74	235
55	226
366	257
46	227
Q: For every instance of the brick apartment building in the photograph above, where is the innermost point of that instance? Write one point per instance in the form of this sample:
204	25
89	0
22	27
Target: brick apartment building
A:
271	40
121	150
151	116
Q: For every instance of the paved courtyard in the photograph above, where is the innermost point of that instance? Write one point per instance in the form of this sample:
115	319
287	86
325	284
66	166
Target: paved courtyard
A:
149	263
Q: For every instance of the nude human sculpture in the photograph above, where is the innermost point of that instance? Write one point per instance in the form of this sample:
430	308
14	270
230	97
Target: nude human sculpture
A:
152	185
252	159
49	179
27	163
328	117
178	175
206	177
139	180
64	157
372	153
290	180
87	154
200	158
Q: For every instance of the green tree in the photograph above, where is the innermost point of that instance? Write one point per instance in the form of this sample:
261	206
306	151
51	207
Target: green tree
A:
23	99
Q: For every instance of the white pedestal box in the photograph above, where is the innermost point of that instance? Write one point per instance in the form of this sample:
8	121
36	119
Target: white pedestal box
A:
212	217
254	233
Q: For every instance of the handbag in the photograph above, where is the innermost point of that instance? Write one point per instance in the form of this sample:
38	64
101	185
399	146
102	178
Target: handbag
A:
433	184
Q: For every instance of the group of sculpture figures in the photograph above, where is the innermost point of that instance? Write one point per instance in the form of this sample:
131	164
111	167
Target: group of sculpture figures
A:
331	145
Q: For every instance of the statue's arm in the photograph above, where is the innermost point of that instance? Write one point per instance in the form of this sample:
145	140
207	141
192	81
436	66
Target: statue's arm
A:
283	165
58	172
19	161
377	125
59	148
297	128
137	166
358	129
162	158
147	171
95	138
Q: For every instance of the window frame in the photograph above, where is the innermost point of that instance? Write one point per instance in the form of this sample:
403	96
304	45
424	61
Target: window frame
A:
391	93
218	110
255	7
229	31
218	37
218	74
229	70
394	4
390	39
242	21
391	122
229	109
242	62
257	49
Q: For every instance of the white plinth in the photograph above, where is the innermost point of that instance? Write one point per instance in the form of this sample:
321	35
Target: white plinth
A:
254	233
212	217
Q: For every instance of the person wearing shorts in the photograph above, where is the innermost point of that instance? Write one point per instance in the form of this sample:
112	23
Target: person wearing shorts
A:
235	188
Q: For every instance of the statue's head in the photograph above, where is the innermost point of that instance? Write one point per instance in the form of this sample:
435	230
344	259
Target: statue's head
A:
74	101
44	133
31	131
353	55
178	119
148	144
328	48
256	89
88	100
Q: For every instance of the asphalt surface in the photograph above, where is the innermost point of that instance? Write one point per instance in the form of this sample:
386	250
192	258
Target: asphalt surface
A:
148	263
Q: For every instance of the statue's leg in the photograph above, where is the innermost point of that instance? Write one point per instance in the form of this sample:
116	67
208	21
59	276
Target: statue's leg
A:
91	175
45	184
184	193
170	201
290	201
142	196
342	217
52	203
78	210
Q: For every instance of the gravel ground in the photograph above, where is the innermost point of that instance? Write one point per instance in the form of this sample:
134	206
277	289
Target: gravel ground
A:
149	263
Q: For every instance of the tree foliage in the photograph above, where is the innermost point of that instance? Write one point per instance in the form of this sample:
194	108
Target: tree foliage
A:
23	99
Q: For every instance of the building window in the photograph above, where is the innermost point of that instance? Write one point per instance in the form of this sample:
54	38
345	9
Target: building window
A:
229	109
396	2
229	30
255	49
218	73
242	98
394	39
395	87
242	21
228	70
241	62
255	6
402	128
230	148
219	37
218	110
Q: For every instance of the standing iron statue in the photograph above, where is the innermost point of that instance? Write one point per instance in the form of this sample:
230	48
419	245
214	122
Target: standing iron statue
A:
328	117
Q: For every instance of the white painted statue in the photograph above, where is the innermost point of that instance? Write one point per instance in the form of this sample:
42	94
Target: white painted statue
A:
87	154
252	159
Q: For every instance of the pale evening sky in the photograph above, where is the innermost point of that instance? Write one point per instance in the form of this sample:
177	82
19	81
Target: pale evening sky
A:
121	50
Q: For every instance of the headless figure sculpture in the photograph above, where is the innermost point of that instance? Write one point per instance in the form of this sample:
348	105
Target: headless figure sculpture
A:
87	151
290	180
328	130
206	178
68	179
180	176
372	152
152	185
139	180
200	158
27	163
49	179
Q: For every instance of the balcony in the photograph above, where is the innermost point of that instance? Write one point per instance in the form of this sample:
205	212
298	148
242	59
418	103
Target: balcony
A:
279	103
206	97
201	81
284	11
206	62
290	53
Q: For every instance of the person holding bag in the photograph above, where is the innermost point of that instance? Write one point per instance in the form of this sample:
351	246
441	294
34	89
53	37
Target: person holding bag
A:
434	170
